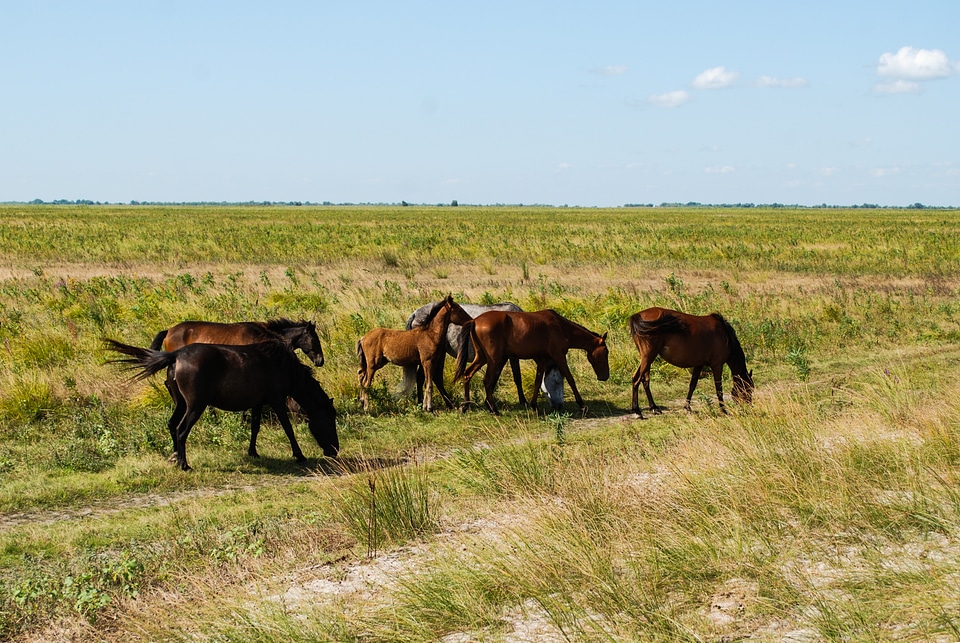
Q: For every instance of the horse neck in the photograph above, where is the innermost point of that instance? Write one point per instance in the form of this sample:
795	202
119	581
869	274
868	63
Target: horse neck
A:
736	358
577	335
438	325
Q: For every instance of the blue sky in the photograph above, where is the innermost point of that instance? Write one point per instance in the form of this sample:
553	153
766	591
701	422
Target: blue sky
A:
593	103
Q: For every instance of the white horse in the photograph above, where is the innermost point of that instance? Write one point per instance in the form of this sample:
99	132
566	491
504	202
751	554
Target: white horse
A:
552	379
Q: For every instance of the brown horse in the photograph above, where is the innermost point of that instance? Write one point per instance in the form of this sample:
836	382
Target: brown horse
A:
300	334
688	341
235	378
420	346
543	336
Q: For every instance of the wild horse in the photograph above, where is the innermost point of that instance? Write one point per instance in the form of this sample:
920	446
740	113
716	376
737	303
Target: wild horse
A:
421	346
688	341
543	336
236	378
552	379
298	334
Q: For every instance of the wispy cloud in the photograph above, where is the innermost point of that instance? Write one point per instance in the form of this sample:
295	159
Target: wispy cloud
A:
720	169
790	83
670	99
898	86
715	78
611	70
881	172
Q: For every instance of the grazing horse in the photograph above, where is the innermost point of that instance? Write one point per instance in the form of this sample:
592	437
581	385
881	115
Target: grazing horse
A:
688	341
420	346
236	378
300	334
552	379
543	336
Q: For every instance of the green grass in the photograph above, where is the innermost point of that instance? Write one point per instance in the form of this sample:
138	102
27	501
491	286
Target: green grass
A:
828	501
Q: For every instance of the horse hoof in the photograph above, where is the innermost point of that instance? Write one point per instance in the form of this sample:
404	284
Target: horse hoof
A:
637	413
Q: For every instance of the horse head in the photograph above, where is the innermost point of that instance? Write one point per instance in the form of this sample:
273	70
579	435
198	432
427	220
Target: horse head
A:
743	386
458	315
308	341
321	414
598	356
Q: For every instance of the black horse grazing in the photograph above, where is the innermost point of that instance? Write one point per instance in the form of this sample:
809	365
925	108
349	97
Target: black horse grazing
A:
688	341
236	378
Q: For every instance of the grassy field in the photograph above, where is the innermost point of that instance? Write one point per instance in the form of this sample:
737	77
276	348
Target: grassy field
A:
829	509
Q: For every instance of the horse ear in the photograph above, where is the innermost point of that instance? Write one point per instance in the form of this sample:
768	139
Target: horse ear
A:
604	338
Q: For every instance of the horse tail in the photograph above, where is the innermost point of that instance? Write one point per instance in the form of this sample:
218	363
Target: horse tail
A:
466	338
409	379
663	325
157	343
148	360
362	357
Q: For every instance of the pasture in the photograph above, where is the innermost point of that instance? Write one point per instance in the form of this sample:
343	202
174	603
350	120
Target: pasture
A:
828	509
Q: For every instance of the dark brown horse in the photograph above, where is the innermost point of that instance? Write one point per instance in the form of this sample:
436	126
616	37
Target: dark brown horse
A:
543	336
300	334
688	341
420	346
236	378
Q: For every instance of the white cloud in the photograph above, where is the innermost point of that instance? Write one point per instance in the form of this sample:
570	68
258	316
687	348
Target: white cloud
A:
898	86
715	78
828	171
720	169
881	172
611	70
790	83
915	64
670	99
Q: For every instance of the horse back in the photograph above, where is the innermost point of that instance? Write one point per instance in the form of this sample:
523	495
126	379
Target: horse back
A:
203	332
682	339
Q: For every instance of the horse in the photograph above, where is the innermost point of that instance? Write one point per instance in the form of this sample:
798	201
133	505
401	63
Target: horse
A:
542	336
552	379
236	378
688	341
420	346
300	334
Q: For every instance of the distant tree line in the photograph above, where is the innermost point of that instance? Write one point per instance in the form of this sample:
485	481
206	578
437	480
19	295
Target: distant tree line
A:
454	203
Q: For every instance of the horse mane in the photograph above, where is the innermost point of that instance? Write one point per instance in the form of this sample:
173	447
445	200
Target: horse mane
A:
575	324
281	323
736	349
433	313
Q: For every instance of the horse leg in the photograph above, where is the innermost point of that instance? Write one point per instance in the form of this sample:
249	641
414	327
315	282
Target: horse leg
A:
254	430
642	376
420	380
490	379
366	379
478	361
718	382
567	375
189	418
694	378
537	381
180	407
427	385
635	405
281	412
515	367
438	381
